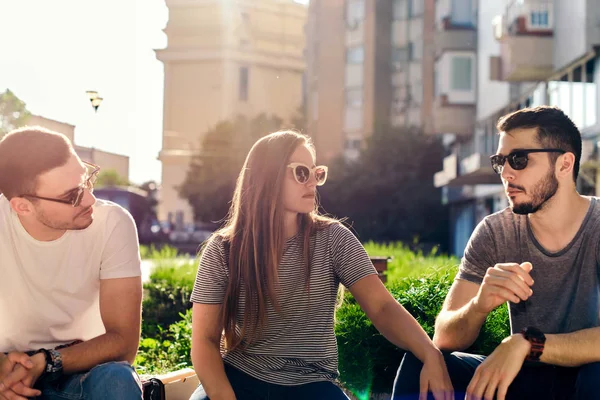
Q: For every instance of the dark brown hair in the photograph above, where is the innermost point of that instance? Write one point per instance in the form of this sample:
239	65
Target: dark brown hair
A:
254	232
554	130
25	154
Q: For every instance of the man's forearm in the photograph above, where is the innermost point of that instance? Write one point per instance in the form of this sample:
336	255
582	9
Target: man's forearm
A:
108	347
458	329
572	349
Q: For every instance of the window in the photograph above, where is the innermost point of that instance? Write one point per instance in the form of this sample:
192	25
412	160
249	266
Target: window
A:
462	73
354	97
353	144
355	12
463	13
243	84
355	55
539	19
416	7
401	54
400	9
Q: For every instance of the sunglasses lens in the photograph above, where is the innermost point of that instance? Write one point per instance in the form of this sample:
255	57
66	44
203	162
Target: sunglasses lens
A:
76	201
497	163
518	161
302	173
320	175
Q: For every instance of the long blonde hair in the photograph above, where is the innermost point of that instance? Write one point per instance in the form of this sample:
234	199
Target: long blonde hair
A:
255	237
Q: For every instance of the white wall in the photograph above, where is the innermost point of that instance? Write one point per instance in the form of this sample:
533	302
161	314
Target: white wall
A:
491	95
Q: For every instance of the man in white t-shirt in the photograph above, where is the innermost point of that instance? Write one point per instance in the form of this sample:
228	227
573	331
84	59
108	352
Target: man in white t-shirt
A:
70	279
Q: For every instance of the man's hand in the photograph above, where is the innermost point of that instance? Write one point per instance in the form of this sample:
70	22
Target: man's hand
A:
435	379
502	283
18	365
499	369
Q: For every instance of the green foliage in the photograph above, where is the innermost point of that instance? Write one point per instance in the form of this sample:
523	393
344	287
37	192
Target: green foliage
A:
110	177
368	362
388	192
167	295
212	174
170	351
13	112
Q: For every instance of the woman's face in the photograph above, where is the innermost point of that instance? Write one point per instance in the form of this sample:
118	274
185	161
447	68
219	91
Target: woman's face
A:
297	197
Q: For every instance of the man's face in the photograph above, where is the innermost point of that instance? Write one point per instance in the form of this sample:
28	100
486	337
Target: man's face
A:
529	189
63	183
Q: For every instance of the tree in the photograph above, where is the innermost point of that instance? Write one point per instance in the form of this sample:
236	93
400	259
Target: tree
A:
151	188
110	177
211	177
13	113
388	193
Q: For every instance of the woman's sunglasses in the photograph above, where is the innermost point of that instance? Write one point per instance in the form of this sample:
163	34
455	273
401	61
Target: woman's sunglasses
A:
517	159
302	173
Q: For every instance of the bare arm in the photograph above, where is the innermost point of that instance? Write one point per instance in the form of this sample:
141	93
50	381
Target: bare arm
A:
468	304
572	349
120	308
458	324
390	318
206	357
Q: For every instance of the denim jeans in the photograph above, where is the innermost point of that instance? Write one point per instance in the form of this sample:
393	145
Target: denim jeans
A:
113	380
246	387
534	381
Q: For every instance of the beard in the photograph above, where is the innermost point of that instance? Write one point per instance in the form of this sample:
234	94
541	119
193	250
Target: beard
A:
540	195
76	224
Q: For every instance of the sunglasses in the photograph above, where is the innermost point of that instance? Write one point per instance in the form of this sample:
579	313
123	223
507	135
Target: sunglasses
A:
302	173
75	196
517	159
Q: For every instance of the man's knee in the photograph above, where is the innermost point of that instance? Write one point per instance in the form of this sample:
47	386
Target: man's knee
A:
588	381
114	380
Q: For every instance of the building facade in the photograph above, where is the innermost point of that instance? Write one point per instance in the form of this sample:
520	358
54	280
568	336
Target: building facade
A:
531	52
223	59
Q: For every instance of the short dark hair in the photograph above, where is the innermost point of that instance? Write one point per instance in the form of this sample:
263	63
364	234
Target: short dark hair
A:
25	154
554	130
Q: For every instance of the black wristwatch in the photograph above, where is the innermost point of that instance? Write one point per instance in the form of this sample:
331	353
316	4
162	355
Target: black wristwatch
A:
537	340
54	366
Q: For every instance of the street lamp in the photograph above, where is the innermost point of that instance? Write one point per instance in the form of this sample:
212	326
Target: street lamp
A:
94	99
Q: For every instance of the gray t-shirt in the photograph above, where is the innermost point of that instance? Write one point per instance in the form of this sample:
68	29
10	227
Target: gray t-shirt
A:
565	291
298	346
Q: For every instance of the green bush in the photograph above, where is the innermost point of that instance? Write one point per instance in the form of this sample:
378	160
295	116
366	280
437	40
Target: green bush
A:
169	351
368	362
167	295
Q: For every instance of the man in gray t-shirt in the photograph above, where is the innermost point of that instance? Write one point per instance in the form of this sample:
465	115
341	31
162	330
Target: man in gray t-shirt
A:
541	255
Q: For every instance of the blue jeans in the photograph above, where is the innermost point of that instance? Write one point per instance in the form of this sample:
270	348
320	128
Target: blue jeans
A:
113	380
534	381
246	387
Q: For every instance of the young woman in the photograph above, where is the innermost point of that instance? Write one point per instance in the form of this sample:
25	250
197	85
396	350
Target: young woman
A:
269	280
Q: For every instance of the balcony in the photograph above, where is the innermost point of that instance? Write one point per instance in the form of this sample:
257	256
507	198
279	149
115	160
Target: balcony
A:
452	118
455	39
526	45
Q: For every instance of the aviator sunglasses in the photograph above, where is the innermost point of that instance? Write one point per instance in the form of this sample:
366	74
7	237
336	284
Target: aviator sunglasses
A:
302	173
517	159
74	196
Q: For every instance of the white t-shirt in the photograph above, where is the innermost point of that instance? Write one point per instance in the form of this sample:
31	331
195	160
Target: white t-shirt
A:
49	291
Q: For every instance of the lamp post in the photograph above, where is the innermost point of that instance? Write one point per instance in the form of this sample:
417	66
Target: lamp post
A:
94	99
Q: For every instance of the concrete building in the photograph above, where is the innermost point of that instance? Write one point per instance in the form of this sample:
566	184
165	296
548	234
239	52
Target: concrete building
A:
104	159
403	63
224	58
531	52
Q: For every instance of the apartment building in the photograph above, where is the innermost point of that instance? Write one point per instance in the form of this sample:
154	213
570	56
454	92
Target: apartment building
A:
530	52
223	59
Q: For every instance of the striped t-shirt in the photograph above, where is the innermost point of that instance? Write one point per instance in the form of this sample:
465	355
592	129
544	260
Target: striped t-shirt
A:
298	344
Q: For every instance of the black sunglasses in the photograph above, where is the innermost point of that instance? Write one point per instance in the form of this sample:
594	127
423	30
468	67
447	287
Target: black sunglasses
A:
76	195
517	159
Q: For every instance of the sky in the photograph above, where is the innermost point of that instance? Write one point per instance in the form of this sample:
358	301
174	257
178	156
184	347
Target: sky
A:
52	52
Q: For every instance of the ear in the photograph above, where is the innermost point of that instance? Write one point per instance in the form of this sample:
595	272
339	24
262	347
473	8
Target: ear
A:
565	164
21	206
